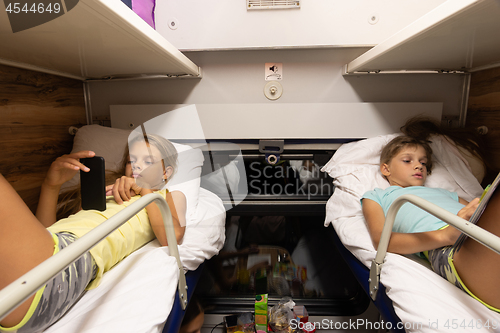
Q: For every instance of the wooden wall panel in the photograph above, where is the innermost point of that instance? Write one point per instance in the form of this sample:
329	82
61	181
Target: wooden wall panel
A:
36	110
484	110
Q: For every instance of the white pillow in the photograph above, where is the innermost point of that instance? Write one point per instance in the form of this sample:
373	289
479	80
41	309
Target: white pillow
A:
110	143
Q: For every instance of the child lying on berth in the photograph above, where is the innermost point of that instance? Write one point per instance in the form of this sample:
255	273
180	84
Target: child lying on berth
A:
405	162
27	240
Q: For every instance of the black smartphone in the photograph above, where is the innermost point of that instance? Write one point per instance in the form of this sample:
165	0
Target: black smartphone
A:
92	184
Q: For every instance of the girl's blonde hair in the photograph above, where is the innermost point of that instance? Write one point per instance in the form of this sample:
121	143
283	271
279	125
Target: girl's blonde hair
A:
401	142
70	201
167	150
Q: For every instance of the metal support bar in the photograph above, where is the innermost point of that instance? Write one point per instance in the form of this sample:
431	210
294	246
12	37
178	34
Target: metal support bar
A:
346	72
88	104
464	101
470	229
22	288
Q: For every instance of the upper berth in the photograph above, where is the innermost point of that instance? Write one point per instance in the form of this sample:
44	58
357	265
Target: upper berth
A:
458	35
94	39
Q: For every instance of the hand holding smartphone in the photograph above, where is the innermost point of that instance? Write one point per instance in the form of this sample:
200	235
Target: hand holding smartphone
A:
92	184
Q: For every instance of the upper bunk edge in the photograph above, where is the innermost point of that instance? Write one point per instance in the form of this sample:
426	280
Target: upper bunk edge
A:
96	39
449	38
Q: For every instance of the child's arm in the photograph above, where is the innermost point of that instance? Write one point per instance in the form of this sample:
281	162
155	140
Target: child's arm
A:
405	243
126	187
469	209
177	203
60	171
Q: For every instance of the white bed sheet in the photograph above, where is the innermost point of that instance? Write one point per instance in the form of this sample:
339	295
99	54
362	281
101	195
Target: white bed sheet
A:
423	300
138	293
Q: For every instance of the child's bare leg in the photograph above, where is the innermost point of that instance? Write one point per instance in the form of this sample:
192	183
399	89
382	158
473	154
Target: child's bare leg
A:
24	243
478	266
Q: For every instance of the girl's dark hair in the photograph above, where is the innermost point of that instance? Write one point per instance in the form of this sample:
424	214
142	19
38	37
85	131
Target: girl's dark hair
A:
423	128
193	309
399	143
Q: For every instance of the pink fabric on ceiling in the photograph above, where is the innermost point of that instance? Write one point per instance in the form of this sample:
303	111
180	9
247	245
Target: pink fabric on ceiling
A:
145	9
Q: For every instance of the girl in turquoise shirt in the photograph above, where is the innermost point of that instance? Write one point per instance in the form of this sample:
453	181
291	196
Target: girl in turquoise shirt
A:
405	162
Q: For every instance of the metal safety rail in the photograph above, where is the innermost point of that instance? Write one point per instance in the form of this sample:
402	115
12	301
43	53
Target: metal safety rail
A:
479	234
25	286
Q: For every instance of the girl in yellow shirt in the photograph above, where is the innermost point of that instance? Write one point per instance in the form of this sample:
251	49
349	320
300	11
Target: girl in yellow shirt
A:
25	242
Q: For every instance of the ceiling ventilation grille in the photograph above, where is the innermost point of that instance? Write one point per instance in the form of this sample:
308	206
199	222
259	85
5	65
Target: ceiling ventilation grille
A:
272	4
